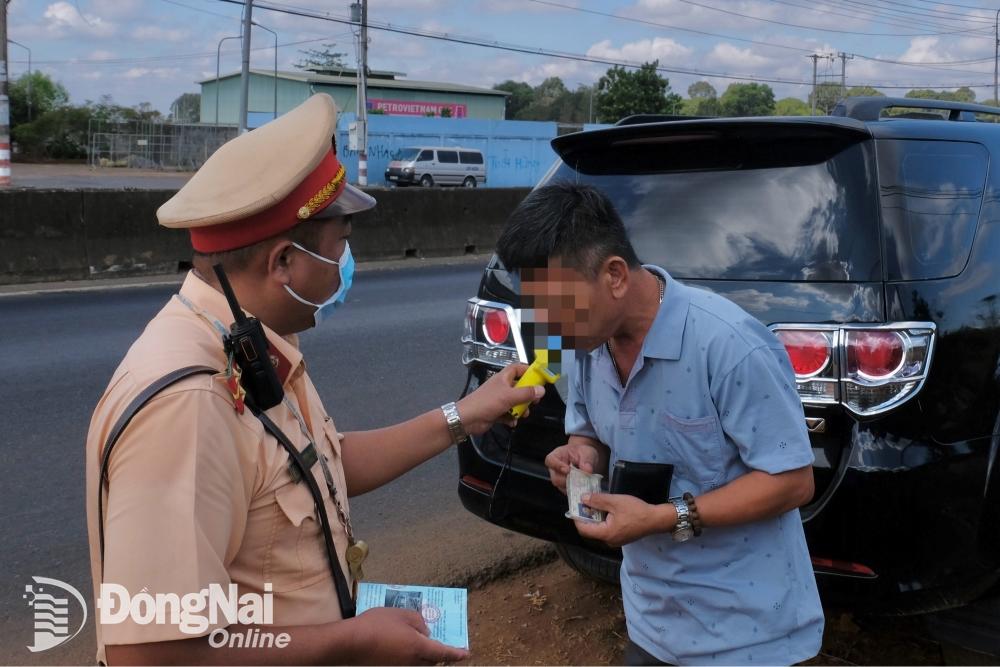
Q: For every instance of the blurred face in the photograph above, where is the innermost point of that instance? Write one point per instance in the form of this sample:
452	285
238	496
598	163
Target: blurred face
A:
561	301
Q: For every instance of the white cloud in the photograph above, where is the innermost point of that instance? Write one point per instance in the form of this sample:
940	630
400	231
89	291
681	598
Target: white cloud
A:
734	58
664	49
63	18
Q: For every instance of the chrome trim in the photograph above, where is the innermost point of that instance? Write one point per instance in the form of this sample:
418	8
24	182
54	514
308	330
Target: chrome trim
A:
513	317
840	342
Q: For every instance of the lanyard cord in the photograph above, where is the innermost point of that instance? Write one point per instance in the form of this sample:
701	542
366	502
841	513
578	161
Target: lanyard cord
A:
327	474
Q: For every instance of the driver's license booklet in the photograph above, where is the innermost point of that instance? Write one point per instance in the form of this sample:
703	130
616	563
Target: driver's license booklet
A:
445	610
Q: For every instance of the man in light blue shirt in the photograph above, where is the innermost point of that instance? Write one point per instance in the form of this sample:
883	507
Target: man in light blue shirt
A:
666	373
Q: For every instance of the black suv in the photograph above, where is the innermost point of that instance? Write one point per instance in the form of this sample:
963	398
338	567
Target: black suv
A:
869	243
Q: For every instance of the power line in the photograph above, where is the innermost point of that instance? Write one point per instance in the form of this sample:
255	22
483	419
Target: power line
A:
950	4
911	15
516	48
874	17
471	41
833	30
937	11
927	65
174	56
656	24
199	9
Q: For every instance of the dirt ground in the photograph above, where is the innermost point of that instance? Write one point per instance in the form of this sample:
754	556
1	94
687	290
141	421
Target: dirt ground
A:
550	615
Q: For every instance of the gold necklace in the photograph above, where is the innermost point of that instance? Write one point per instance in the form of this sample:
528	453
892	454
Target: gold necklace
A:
618	373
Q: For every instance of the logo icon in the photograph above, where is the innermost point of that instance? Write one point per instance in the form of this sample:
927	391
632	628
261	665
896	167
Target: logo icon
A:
51	608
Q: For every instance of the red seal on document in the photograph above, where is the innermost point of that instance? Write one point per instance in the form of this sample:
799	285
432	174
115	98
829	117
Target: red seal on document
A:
430	613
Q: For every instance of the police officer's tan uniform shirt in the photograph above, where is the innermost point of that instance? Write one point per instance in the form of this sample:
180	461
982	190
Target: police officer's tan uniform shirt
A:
200	494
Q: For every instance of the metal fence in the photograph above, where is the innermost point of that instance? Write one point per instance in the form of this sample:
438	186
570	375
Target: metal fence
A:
166	146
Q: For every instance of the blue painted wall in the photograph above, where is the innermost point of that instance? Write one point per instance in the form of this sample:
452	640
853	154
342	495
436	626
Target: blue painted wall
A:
517	152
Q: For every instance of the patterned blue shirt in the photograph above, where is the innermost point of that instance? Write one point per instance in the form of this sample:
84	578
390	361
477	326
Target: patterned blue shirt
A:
712	393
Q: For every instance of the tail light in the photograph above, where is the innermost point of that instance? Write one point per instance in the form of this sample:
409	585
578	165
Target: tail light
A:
869	369
492	334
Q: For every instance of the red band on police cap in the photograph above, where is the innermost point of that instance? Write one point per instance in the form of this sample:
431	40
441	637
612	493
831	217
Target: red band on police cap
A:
317	191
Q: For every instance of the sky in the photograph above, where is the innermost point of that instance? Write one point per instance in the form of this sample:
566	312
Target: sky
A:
155	50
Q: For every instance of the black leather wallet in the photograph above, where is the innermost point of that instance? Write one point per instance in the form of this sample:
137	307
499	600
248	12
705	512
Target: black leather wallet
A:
649	482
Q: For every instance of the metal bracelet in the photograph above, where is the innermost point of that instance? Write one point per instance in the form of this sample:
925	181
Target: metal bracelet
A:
455	428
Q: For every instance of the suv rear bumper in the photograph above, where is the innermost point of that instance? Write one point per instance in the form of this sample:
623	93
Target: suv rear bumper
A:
906	514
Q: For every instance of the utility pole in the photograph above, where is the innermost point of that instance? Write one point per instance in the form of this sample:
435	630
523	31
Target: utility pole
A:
996	53
359	14
245	72
11	41
4	101
843	72
815	58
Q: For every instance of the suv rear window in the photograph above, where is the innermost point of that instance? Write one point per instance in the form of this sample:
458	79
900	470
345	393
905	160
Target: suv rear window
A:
448	157
932	192
815	222
470	158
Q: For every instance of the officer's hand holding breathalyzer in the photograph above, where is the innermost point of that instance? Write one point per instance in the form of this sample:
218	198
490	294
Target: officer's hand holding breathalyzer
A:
493	401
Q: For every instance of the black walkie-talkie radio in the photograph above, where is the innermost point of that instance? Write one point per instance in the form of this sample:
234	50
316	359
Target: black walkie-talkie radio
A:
248	345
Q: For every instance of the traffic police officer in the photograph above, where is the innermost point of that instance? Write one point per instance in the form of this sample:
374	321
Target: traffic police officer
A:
196	491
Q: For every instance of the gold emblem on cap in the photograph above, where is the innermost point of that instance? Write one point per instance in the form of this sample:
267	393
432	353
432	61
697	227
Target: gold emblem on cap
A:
320	197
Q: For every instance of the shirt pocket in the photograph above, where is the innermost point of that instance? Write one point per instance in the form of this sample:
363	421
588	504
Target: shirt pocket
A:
695	447
296	555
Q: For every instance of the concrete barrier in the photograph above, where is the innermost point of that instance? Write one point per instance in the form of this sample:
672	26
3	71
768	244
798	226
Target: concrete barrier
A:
79	234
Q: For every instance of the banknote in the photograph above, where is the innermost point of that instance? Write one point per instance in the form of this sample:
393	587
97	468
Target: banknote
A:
578	484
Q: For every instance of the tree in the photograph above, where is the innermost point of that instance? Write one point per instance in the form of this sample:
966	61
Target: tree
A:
863	91
545	100
791	106
702	90
704	100
963	94
322	60
59	133
186	108
747	99
623	93
45	95
826	96
520	97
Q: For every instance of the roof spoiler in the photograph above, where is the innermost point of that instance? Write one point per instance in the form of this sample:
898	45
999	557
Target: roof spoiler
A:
871	108
642	118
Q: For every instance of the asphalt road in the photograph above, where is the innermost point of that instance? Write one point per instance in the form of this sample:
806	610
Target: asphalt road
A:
74	176
392	353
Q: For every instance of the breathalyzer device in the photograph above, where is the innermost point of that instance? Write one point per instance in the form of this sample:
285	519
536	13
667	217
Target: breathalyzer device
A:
538	373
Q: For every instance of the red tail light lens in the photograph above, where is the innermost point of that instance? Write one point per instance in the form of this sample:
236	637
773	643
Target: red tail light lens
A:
496	326
809	351
875	354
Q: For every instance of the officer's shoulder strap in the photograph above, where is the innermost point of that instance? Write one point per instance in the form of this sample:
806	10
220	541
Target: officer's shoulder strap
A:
123	421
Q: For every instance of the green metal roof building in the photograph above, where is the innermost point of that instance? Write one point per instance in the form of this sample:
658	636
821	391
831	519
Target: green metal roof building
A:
386	94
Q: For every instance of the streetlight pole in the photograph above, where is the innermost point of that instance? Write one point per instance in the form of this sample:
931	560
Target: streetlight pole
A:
275	65
11	41
359	15
245	70
218	57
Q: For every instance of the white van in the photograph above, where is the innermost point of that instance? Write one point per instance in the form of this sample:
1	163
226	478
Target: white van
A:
437	165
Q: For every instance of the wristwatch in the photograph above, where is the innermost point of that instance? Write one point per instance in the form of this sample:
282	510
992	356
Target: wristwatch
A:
455	427
683	530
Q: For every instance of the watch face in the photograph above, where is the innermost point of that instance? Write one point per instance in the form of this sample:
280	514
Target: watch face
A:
683	534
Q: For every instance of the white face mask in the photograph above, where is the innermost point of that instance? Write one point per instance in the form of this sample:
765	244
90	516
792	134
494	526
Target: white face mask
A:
346	266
